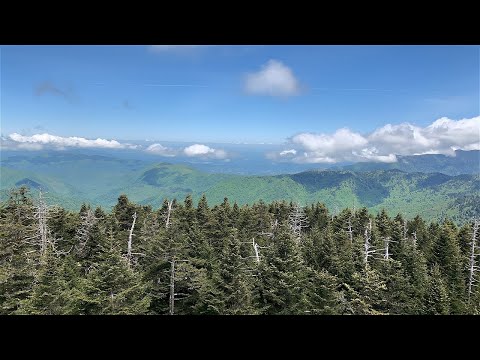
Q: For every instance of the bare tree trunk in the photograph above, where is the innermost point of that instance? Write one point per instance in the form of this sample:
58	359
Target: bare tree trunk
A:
169	211
367	246
473	254
83	231
41	214
129	245
172	286
255	248
387	242
297	221
350	231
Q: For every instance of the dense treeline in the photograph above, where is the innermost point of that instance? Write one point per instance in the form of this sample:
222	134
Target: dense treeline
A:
187	258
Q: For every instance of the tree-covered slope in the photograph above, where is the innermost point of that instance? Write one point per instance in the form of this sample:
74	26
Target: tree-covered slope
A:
261	258
434	195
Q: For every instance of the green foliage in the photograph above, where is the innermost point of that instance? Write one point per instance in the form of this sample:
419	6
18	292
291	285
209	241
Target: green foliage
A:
101	181
206	258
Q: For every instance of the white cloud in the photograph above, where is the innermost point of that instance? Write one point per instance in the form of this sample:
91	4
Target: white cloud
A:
198	149
342	139
205	151
287	152
372	154
38	140
159	149
443	136
274	79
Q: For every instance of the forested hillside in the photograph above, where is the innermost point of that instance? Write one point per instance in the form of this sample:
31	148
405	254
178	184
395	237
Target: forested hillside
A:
433	195
259	258
464	162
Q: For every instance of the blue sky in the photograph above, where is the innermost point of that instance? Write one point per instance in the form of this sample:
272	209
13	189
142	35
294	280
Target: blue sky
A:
218	93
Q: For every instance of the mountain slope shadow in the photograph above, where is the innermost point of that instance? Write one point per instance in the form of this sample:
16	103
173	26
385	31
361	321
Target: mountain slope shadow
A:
31	184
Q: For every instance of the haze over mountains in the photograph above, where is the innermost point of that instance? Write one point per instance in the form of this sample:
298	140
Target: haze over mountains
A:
433	185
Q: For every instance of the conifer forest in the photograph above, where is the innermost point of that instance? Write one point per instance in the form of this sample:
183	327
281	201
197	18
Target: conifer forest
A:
192	258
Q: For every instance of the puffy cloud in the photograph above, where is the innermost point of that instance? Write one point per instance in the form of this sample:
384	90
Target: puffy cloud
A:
443	136
204	151
159	149
38	140
274	79
342	139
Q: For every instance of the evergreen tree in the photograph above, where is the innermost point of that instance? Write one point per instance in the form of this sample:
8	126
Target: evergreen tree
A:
18	256
437	301
452	264
115	287
282	279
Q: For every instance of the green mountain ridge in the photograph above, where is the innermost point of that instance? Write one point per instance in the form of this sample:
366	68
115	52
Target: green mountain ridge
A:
434	195
464	162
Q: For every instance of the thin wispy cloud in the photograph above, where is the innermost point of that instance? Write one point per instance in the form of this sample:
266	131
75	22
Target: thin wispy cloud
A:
443	136
176	49
273	79
174	85
170	47
159	149
355	89
48	88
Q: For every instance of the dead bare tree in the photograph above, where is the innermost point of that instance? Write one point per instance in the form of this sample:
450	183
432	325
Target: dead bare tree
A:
414	239
350	230
172	287
473	254
88	221
173	294
129	244
41	235
297	220
369	250
386	242
41	214
274	224
255	248
169	212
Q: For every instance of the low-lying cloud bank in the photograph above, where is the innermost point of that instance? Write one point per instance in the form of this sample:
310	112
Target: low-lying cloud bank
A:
443	136
195	150
39	141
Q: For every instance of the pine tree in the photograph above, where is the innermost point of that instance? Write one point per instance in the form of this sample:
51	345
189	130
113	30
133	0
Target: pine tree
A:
46	296
437	301
18	256
366	295
281	287
452	265
232	280
115	286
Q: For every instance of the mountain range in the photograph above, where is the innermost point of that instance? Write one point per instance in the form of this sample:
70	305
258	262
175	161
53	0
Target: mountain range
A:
409	186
